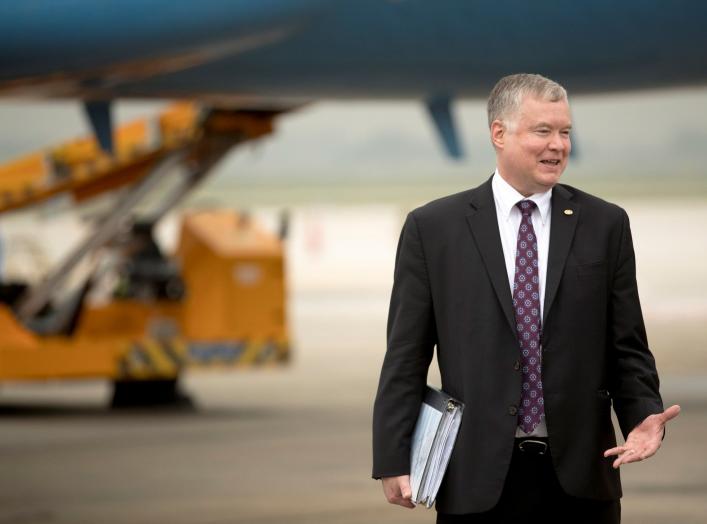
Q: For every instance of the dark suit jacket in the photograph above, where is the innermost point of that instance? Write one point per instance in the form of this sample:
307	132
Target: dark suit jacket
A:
451	291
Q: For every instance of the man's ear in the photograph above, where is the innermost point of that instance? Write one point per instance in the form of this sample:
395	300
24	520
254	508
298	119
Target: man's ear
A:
498	134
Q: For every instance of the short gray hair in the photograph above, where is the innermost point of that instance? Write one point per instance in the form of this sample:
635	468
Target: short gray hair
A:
507	95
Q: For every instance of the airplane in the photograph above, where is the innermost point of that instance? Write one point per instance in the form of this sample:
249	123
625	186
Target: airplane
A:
281	54
247	63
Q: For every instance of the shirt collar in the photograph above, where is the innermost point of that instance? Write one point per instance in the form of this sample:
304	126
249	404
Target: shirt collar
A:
507	197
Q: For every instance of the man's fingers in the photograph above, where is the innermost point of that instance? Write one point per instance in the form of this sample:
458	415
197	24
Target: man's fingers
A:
404	503
634	455
400	501
630	455
406	493
405	489
618	462
615	451
670	413
397	490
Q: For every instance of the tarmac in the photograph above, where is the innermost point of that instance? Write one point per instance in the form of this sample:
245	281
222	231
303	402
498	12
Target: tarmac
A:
292	444
288	444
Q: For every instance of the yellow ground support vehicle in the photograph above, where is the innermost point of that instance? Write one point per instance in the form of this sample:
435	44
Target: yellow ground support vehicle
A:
219	300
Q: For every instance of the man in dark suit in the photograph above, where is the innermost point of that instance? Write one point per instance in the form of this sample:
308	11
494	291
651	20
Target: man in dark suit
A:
527	288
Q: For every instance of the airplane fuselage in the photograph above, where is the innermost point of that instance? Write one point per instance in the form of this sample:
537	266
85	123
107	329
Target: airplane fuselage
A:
260	51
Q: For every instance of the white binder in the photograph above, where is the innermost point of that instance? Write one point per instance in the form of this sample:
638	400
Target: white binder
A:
432	443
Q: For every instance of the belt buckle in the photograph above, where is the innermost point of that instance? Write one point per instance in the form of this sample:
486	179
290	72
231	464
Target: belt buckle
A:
522	446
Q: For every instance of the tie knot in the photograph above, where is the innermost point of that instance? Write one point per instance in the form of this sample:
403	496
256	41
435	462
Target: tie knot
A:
526	206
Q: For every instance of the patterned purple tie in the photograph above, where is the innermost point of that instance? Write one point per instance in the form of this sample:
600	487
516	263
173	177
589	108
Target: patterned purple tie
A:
526	303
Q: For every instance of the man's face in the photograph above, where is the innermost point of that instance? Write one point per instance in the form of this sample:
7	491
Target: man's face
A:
532	151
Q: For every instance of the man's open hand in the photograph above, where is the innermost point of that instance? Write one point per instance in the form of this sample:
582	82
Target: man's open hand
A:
397	490
645	438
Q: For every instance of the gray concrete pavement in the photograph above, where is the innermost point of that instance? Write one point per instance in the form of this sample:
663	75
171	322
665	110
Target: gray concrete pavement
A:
286	445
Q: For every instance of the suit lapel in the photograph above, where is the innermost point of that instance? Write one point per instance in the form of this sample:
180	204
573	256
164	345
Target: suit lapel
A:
484	228
565	214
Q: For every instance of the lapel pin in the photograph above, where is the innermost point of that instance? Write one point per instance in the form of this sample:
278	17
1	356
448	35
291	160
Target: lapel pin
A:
569	212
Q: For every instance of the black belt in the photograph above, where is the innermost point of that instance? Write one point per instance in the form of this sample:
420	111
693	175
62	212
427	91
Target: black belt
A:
532	445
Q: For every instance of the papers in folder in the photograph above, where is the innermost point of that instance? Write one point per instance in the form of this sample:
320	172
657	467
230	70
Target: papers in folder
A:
432	443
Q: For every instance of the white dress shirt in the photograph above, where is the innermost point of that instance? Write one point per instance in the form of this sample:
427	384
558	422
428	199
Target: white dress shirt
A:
509	217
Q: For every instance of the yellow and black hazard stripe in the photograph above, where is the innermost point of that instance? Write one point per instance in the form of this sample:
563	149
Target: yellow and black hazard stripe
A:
237	352
152	358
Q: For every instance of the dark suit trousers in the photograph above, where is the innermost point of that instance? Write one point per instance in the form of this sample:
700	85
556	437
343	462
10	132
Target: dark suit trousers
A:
532	495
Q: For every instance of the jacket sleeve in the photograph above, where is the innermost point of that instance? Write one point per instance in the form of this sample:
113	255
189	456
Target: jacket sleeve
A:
411	341
635	386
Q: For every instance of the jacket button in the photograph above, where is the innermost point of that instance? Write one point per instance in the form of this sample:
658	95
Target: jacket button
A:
516	365
512	410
